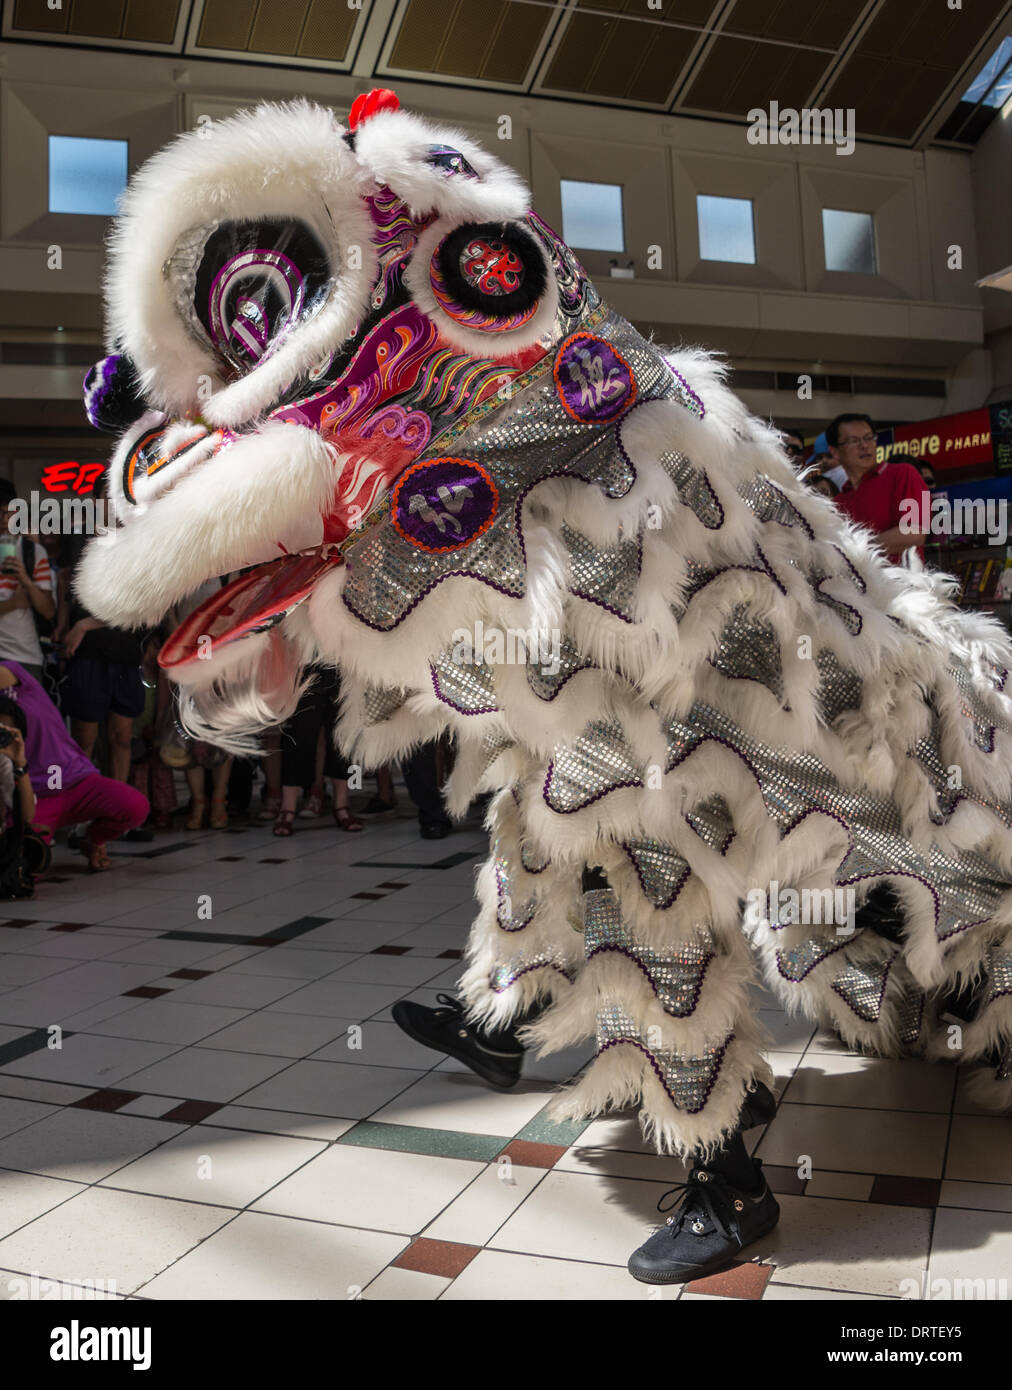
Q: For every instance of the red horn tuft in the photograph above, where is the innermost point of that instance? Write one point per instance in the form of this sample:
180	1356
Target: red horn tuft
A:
379	99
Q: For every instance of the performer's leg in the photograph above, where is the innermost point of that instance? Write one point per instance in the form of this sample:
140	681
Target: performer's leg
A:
422	782
724	1205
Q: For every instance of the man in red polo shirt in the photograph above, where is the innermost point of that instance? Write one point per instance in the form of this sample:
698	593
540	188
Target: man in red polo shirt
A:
875	492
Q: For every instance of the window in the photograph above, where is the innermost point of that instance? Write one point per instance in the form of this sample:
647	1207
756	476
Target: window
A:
849	240
592	216
993	84
86	175
726	231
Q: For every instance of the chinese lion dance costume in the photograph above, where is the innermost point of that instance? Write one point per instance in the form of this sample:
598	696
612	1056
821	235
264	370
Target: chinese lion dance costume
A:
356	365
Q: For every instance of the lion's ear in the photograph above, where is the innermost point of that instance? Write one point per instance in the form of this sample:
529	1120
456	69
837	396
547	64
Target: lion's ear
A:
113	398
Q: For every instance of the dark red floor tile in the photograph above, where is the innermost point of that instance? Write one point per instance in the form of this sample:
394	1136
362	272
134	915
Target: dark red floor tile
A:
444	1257
107	1100
189	974
743	1281
69	926
905	1192
145	992
191	1112
450	955
390	951
530	1155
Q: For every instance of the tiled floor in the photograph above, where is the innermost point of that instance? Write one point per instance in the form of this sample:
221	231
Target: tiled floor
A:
202	1096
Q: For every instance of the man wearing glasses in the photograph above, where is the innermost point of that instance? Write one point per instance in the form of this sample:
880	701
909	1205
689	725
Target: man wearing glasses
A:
874	492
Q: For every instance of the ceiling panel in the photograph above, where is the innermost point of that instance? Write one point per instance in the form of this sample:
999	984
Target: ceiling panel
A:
623	55
822	23
738	75
140	21
479	40
320	30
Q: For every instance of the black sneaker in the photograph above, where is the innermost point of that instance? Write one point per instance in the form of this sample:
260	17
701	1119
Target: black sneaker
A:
434	830
712	1225
495	1057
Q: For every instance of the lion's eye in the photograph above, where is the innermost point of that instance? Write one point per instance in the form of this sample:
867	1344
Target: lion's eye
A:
244	286
451	161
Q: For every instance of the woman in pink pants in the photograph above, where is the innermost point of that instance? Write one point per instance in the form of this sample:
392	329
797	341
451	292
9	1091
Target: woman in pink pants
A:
68	788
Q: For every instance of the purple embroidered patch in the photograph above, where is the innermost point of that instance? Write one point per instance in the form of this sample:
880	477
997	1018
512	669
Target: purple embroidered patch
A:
595	383
444	504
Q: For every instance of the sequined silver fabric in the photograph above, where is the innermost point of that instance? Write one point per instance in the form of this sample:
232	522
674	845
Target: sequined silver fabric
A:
510	914
596	763
381	702
688	1079
966	887
909	1015
998	974
676	977
545	682
466	686
662	872
608	576
492	745
694	489
982	722
749	649
769	503
532	861
388	576
862	987
712	821
846	612
506	974
839	689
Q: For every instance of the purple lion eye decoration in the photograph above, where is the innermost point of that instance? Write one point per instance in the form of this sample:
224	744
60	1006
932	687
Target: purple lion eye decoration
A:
444	504
451	161
595	383
255	281
488	276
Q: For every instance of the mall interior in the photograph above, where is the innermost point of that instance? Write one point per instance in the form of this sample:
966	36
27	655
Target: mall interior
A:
211	1084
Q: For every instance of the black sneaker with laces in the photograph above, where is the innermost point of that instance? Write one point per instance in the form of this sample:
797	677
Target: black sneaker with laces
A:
495	1057
712	1224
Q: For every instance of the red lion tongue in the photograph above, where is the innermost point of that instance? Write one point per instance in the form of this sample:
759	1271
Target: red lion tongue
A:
255	602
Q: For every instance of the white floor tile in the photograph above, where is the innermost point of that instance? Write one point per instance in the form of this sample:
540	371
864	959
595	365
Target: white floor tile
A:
873	1083
405	1286
168	1020
981	1196
26	1196
579	1216
284	1035
377	1044
971	1256
980	1149
106	1234
273	1258
448	1100
88	1060
856	1141
331	1088
530	1279
82	1145
853	1246
377	1188
197	1073
475	1216
225	1167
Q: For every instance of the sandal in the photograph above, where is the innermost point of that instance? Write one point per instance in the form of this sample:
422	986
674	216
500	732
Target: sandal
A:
312	807
97	857
195	820
270	805
219	817
285	823
344	820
